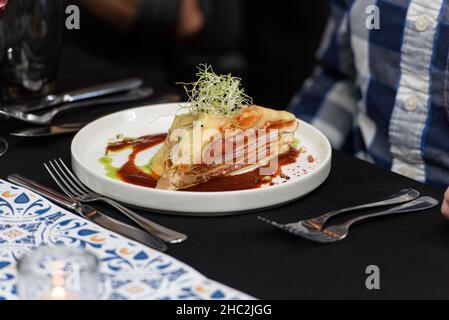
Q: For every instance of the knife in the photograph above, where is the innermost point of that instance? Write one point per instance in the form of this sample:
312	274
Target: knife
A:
77	95
47	117
90	213
75	127
49	131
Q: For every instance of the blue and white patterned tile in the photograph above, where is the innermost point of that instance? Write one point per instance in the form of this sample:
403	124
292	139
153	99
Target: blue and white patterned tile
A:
129	269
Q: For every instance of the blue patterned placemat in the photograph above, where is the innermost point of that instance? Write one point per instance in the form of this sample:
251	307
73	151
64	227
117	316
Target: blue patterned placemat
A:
129	269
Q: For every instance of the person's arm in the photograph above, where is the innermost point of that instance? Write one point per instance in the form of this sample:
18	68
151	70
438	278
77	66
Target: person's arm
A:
119	14
191	19
328	99
183	17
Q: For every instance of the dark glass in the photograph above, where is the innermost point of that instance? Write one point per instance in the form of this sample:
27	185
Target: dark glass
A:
30	45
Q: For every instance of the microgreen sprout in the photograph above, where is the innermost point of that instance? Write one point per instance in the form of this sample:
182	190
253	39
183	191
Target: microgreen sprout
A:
215	94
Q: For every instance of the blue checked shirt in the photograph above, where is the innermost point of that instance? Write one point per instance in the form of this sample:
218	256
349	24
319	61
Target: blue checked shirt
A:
383	93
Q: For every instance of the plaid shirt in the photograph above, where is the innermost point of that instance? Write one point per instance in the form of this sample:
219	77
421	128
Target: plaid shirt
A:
383	93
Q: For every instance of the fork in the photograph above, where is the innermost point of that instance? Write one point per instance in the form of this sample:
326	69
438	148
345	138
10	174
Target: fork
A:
47	117
317	223
75	189
340	231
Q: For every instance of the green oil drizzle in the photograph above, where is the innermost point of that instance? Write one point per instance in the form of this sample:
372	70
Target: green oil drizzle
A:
111	171
296	143
147	168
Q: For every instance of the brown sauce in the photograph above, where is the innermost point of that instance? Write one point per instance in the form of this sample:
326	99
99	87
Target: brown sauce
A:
248	180
131	173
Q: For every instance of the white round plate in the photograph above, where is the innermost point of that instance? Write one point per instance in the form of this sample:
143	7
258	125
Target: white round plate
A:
90	143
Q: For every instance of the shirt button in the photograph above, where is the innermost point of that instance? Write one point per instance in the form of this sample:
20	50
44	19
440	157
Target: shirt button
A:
422	24
411	104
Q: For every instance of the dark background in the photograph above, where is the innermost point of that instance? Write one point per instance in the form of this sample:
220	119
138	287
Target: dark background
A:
274	42
280	41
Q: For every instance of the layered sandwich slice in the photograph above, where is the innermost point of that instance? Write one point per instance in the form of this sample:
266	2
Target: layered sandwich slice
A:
203	146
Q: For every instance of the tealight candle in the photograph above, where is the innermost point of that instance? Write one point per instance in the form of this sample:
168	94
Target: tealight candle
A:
58	273
58	293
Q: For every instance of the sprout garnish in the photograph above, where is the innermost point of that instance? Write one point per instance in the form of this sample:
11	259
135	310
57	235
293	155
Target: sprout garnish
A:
215	94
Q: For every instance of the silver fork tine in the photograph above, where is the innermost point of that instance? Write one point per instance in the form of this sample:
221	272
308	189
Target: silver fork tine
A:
325	237
59	183
314	236
61	178
74	178
273	223
317	237
67	180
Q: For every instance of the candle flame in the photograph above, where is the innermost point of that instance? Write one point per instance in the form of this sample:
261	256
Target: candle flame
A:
58	293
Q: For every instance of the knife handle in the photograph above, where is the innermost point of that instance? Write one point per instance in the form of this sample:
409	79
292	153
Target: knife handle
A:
122	228
102	90
42	190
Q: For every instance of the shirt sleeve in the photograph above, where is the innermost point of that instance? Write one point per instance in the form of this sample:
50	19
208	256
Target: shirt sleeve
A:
327	99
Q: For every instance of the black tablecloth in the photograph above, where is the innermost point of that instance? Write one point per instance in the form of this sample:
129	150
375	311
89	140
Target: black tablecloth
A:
412	251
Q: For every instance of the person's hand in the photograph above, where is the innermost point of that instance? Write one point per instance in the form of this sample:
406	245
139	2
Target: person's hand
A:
191	19
119	14
445	205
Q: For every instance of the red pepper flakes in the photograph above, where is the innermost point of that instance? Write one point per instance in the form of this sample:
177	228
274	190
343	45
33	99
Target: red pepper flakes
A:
310	158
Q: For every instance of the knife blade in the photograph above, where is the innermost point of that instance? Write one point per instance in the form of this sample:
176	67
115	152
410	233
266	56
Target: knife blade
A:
67	128
47	117
90	213
78	95
49	131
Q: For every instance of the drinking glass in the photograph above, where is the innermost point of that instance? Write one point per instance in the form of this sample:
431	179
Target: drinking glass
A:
30	45
58	273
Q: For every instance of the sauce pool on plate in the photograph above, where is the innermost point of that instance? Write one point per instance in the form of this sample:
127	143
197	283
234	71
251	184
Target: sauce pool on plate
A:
131	173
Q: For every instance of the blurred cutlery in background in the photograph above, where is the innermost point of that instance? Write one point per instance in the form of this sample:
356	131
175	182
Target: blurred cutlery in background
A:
47	117
75	127
50	130
77	95
166	98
